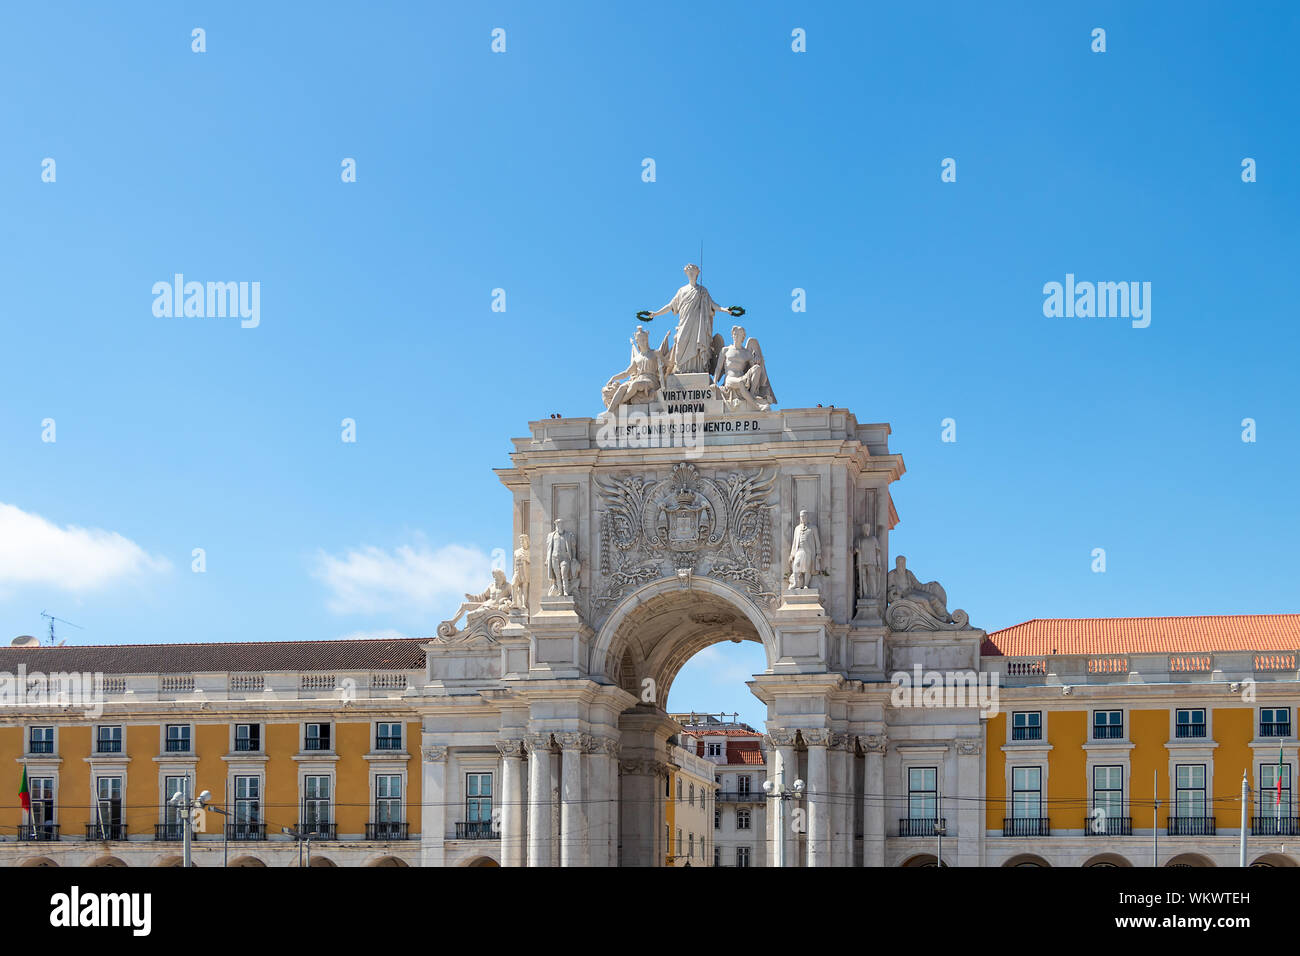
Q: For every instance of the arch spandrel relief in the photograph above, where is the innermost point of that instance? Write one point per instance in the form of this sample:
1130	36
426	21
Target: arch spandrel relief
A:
688	521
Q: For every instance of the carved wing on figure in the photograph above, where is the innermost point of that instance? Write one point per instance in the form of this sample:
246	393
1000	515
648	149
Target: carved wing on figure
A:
719	343
764	391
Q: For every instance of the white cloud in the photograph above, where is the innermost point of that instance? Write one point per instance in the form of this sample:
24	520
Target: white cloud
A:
34	551
410	578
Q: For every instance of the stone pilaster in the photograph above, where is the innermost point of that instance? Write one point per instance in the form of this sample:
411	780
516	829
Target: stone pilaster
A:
819	797
433	816
539	799
969	813
574	835
873	800
514	802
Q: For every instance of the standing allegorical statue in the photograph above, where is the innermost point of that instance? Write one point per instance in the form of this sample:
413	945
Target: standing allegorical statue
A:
805	553
519	586
562	565
693	345
869	564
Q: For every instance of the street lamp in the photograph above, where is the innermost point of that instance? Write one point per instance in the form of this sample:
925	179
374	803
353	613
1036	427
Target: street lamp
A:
777	791
186	806
301	838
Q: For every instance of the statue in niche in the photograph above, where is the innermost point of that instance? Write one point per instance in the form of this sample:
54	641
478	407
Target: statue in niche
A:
562	565
740	374
805	553
694	343
519	585
643	376
869	556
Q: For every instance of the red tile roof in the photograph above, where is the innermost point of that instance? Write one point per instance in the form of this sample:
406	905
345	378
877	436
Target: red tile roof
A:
744	752
375	654
1146	635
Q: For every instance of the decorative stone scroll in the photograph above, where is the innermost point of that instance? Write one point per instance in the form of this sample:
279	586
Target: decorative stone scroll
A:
486	613
652	529
914	606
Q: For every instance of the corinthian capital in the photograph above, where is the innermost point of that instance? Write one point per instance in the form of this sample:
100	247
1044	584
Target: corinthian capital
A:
511	747
817	738
781	738
874	743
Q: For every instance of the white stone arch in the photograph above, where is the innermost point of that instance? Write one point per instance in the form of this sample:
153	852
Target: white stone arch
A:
683	642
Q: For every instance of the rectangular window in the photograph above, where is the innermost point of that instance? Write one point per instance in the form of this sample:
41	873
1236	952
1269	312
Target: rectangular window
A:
679	841
715	750
1107	724
922	793
388	798
107	824
1026	792
108	740
172	814
317	737
248	738
742	856
315	804
478	798
1027	725
742	818
248	800
388	737
41	790
717	818
742	783
1269	805
178	738
1275	722
690	795
1189	800
41	740
690	845
1190	723
1108	792
717	856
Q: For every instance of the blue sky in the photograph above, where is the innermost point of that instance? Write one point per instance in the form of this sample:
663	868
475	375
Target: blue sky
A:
522	171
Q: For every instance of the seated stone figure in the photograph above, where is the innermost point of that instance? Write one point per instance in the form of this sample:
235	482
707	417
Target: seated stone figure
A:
475	607
741	376
914	606
642	377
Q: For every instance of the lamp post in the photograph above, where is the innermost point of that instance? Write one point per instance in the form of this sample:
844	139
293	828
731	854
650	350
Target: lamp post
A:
779	793
301	838
187	807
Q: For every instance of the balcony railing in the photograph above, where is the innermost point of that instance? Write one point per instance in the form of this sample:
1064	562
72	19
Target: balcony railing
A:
1026	733
171	832
1275	730
319	831
1106	825
1026	826
39	832
246	831
740	796
388	743
921	826
41	747
105	831
316	743
386	831
1191	826
178	745
1107	731
244	745
476	830
1274	826
1189	730
106	746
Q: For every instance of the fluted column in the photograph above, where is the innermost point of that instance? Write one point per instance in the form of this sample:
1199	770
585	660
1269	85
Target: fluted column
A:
513	849
841	789
783	823
873	801
433	817
573	808
539	800
603	806
818	797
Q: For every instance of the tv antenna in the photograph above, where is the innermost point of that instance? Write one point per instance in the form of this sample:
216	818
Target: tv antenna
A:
51	618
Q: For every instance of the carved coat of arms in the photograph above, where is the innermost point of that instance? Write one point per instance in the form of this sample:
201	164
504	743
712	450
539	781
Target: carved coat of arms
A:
655	528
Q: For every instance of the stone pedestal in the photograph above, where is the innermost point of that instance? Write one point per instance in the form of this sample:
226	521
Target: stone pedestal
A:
560	639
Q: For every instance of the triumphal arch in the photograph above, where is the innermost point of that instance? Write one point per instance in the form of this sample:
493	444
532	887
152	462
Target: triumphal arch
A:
694	509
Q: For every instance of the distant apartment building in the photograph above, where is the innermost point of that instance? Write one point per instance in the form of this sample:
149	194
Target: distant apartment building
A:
735	752
690	802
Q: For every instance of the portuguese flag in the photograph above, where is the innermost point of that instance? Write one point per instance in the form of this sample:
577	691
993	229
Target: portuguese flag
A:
24	797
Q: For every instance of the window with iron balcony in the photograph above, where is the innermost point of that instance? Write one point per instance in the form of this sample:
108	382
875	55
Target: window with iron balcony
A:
1275	722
